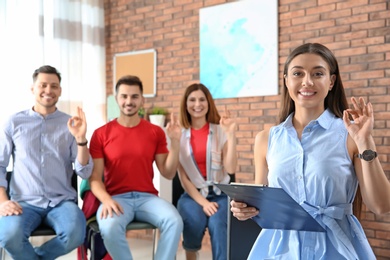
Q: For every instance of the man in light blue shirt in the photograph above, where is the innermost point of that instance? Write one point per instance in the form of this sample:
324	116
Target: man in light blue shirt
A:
45	145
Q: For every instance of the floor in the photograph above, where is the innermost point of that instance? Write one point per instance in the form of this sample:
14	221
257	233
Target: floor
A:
141	249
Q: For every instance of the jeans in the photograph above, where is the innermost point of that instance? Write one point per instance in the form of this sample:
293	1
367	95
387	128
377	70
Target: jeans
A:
145	207
66	219
196	221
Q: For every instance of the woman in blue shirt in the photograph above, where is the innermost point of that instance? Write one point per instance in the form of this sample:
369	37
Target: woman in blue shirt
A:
325	158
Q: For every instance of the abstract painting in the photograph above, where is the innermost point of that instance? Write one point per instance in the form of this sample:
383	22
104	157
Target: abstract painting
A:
239	48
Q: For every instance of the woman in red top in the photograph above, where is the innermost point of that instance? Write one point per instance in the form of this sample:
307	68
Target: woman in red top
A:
207	155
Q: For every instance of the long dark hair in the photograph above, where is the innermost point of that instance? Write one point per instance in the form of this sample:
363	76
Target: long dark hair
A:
335	101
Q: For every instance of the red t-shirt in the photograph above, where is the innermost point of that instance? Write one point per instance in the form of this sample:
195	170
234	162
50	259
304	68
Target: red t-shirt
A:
128	154
199	147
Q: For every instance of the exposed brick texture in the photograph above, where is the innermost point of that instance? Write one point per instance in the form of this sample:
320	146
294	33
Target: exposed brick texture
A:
357	31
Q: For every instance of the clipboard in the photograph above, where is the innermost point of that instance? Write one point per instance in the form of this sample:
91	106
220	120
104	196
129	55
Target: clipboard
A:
277	209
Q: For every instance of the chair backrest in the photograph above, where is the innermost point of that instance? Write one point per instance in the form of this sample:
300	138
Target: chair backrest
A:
8	176
177	189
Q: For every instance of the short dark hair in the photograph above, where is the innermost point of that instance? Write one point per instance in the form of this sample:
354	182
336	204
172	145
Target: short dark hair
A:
47	70
129	80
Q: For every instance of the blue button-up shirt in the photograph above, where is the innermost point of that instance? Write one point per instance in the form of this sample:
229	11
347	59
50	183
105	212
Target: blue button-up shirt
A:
318	173
44	154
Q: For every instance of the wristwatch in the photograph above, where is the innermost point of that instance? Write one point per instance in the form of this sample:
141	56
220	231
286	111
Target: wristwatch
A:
368	155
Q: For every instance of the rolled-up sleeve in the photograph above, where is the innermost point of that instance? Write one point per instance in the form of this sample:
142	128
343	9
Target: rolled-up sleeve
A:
84	171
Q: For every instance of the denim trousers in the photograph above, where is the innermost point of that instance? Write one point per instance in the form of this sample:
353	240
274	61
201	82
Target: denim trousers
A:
66	219
145	207
196	222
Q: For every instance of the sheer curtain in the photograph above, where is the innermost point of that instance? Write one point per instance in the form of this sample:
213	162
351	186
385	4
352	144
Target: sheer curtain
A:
66	34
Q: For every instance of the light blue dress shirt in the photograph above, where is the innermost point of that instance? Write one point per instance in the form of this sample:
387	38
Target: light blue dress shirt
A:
44	154
318	173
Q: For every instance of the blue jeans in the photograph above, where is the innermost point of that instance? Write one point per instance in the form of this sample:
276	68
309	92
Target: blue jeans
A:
143	207
66	219
196	221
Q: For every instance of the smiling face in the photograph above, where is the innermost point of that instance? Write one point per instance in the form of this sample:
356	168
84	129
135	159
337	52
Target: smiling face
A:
308	81
46	90
197	105
129	99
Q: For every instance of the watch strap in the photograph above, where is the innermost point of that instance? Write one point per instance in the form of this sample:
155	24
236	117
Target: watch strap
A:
83	144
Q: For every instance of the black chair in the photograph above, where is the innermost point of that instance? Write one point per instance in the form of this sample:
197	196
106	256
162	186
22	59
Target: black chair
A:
42	230
134	225
241	236
177	189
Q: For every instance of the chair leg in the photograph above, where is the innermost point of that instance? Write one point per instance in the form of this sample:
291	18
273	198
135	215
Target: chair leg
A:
92	237
154	243
2	253
82	251
92	246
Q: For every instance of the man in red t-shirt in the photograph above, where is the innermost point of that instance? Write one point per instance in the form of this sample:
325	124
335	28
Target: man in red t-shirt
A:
123	152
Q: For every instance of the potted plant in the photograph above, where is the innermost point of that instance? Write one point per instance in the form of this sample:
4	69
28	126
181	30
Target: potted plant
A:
157	116
141	112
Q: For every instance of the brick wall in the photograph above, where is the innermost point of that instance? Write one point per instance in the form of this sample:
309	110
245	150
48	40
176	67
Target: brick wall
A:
358	31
